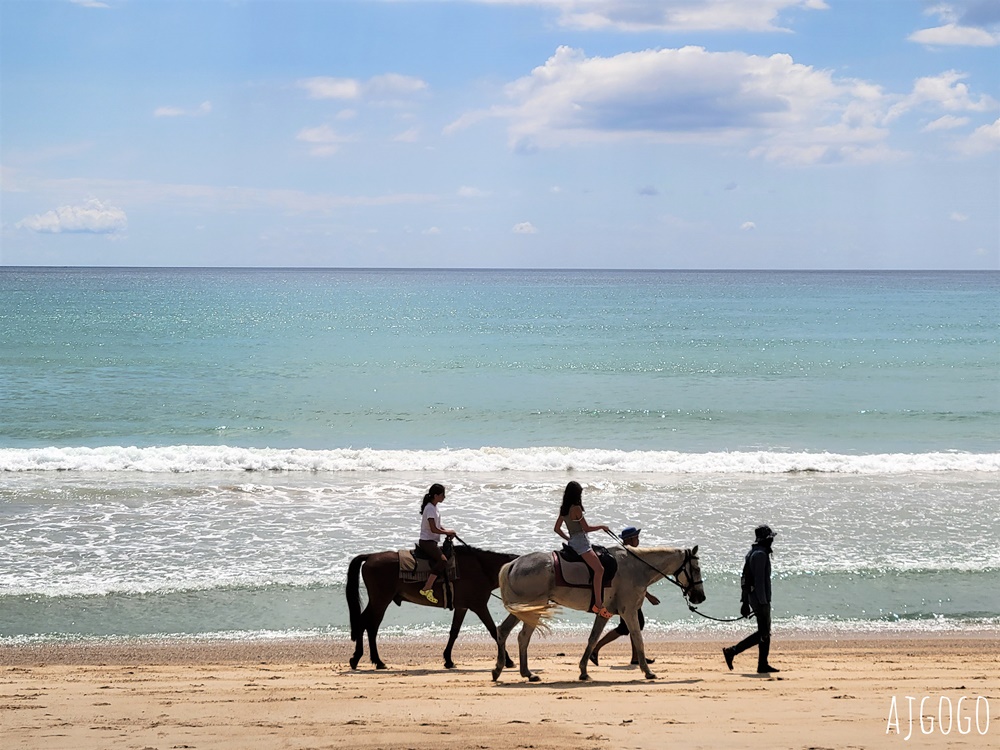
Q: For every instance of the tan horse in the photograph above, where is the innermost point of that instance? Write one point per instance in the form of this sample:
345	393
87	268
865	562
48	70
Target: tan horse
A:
529	592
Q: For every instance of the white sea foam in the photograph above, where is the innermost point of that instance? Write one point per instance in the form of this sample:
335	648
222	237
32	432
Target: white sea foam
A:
194	458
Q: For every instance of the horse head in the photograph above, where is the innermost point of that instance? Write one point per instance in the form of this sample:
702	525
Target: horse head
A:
689	577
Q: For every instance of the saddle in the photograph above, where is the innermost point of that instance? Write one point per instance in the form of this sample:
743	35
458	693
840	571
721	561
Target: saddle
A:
571	569
415	566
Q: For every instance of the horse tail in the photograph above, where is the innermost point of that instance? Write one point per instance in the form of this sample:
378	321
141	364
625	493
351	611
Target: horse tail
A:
354	597
533	615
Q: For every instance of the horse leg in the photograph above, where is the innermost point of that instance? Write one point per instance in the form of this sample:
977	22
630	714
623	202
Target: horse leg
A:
456	624
487	619
523	639
595	634
359	645
635	633
373	621
502	632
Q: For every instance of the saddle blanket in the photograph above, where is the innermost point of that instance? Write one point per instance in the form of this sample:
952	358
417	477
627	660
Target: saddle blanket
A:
576	573
416	569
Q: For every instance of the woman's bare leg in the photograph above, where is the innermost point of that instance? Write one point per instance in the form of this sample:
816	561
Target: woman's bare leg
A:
591	558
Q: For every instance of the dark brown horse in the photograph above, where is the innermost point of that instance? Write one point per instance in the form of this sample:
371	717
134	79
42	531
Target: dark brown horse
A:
478	576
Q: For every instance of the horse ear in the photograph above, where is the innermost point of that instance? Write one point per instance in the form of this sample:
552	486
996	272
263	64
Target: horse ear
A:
695	550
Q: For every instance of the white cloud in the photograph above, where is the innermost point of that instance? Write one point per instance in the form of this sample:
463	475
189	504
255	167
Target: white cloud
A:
324	140
965	23
90	4
394	84
525	227
951	35
946	122
946	92
690	95
431	231
675	15
959	217
92	217
984	140
746	226
407	136
185	196
386	85
471	192
331	88
201	110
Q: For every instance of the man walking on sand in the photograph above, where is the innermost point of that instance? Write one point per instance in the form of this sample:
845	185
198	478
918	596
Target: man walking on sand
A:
756	584
630	538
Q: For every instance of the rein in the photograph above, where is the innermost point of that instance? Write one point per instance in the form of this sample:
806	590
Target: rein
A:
684	589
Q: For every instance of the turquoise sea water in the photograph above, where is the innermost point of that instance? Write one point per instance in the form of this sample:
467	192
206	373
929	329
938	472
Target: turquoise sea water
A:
200	452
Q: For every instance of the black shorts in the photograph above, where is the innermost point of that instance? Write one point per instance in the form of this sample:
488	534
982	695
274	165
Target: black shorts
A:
437	558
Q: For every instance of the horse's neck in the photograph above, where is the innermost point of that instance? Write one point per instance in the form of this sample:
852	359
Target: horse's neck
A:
489	560
660	561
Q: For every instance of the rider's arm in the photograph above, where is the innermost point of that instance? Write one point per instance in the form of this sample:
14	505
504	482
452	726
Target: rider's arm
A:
435	529
558	528
587	527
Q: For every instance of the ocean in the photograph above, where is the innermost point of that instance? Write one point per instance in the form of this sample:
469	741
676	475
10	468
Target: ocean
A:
199	453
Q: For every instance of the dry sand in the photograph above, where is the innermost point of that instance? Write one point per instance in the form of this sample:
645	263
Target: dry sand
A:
834	693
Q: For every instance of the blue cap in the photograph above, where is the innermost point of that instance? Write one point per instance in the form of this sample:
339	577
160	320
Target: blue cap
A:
629	531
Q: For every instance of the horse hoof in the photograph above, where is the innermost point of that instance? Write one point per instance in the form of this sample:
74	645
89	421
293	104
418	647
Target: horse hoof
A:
496	675
584	677
449	665
534	678
509	663
380	665
650	676
354	663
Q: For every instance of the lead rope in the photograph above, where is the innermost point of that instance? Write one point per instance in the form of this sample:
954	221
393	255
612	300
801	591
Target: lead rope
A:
677	584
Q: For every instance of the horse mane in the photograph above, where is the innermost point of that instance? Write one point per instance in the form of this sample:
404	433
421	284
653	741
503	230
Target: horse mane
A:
468	549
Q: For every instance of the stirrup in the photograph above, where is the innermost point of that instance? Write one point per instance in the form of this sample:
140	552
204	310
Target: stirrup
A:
428	594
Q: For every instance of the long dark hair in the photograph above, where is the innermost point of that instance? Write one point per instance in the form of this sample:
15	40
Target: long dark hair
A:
572	495
436	489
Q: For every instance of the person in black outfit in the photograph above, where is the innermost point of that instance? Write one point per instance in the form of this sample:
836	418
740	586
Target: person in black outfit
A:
757	597
630	538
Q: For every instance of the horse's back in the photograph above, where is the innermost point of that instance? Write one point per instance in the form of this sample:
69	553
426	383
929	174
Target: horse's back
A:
529	577
381	566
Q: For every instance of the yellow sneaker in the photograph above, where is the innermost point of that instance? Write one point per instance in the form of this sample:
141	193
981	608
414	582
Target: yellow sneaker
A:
428	594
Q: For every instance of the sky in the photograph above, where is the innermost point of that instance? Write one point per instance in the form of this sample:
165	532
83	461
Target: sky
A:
688	134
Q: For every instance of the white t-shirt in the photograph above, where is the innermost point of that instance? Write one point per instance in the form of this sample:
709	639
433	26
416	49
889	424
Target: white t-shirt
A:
430	511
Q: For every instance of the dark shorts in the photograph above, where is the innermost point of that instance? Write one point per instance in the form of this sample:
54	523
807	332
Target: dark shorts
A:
622	628
433	551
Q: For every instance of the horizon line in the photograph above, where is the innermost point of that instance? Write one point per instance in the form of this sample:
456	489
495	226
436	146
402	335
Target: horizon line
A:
497	268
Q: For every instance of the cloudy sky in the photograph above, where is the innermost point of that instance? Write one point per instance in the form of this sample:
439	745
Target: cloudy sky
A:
501	133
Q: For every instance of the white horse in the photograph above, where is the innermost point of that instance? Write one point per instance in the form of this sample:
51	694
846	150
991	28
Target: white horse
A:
529	591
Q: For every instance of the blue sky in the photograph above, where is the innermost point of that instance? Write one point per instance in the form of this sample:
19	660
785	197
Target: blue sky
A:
803	134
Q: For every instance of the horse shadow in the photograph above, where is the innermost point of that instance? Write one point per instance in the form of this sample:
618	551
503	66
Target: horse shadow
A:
594	684
404	672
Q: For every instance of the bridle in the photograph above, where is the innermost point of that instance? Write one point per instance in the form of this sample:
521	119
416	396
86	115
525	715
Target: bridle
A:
685	567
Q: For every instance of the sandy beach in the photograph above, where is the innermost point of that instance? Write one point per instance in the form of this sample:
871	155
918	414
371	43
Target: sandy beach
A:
833	693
